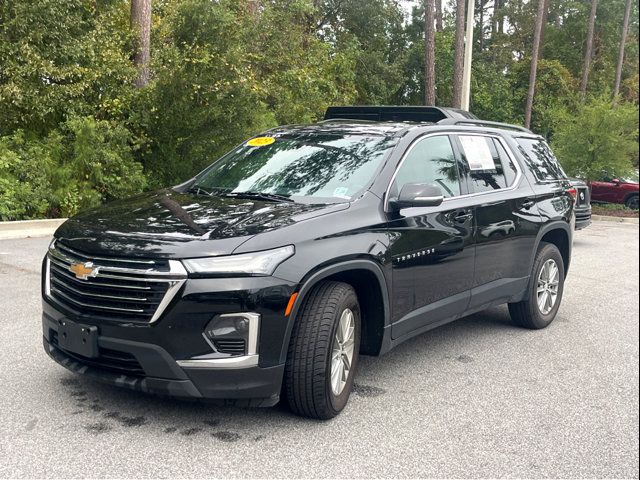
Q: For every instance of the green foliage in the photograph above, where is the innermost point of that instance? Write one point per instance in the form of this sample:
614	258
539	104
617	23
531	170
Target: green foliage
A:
597	138
60	59
75	131
556	89
84	163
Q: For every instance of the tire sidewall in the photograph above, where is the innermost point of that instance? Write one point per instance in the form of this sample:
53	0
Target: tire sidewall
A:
548	252
338	402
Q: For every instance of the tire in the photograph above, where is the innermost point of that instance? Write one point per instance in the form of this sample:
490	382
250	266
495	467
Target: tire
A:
632	202
528	313
307	379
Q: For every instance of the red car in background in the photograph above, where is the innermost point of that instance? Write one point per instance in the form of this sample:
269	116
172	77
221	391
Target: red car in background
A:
615	190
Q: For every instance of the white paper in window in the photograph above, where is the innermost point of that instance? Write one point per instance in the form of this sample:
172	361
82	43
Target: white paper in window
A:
477	151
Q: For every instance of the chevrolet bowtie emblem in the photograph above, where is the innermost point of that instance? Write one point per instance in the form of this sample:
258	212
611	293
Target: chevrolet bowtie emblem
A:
84	270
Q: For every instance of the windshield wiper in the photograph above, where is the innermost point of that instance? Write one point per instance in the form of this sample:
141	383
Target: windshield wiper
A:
199	190
273	197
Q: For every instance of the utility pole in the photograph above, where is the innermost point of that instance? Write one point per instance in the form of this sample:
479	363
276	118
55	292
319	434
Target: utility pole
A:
468	55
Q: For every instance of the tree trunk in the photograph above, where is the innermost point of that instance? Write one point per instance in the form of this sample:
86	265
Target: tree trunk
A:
429	53
496	21
623	41
141	24
586	65
542	4
481	25
543	30
458	61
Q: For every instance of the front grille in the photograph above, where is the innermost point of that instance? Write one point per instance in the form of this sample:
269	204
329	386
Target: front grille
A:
124	289
232	347
112	360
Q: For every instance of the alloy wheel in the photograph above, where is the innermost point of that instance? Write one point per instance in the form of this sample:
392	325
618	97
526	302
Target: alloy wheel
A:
548	284
342	351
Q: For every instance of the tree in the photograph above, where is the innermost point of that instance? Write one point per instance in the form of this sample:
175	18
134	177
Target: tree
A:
542	4
458	58
429	53
608	139
497	23
141	25
439	25
586	65
623	41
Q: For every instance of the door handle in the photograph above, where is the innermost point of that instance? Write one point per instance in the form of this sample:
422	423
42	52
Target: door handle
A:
462	216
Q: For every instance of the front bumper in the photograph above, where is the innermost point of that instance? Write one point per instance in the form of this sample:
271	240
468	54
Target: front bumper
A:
152	370
173	357
583	217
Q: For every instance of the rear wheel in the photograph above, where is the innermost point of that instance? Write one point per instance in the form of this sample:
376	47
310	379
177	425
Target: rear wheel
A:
323	352
546	287
632	202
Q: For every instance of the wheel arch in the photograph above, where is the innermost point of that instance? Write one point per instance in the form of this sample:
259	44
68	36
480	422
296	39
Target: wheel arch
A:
368	280
560	235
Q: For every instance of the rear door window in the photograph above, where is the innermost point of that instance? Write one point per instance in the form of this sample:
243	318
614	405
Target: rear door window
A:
540	159
490	167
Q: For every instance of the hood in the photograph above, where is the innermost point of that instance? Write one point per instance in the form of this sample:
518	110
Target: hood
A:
169	224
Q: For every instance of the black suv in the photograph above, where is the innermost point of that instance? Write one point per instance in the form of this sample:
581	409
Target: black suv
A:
266	275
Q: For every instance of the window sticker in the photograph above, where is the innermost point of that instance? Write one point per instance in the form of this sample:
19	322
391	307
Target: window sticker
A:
477	151
261	141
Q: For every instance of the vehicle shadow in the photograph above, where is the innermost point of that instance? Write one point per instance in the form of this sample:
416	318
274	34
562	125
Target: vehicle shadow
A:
103	408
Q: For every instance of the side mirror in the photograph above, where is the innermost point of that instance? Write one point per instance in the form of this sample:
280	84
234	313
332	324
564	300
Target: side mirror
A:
616	181
417	195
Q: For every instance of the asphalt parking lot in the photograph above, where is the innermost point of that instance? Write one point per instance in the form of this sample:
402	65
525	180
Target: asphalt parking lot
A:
476	398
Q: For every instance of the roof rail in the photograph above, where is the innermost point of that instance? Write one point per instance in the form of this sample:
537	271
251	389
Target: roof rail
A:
394	113
483	123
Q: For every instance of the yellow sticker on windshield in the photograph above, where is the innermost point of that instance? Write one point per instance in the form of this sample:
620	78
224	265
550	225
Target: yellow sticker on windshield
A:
261	141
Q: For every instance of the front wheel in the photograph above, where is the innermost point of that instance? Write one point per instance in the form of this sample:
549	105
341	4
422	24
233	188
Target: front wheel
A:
546	287
632	202
323	352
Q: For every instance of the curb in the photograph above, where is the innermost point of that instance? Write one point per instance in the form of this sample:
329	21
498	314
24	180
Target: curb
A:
29	228
607	218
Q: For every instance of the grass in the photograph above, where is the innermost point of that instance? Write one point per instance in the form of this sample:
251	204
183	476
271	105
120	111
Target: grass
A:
613	210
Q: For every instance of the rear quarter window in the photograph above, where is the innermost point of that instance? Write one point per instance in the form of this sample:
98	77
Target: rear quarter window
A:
540	159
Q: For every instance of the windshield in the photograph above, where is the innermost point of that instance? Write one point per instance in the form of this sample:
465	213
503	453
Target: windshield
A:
633	178
330	167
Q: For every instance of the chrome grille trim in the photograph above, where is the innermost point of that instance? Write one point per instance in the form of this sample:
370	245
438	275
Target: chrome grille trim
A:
93	259
88	294
111	285
57	254
99	307
138	294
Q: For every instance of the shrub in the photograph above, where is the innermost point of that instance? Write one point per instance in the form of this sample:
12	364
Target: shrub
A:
597	138
80	165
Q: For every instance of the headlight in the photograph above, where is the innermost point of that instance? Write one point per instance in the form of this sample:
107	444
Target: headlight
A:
254	263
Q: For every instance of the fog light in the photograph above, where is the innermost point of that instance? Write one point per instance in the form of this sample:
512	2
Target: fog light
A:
234	333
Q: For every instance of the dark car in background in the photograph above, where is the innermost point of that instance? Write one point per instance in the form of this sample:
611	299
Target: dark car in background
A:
270	272
611	189
583	203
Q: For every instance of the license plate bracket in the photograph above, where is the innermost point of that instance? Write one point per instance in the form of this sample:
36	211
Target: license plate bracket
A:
77	338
